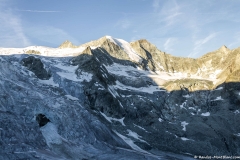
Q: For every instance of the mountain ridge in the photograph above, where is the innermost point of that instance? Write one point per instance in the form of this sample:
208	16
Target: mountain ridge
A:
216	66
111	99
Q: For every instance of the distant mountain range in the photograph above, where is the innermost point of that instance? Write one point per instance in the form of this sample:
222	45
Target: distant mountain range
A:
110	99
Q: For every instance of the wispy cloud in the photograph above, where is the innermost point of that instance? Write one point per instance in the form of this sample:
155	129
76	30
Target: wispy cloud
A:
168	13
38	11
169	43
14	34
172	18
124	24
11	31
199	44
156	4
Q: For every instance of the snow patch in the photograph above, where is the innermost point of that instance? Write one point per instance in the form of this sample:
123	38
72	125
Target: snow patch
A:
182	105
184	124
133	55
187	96
149	89
215	74
111	39
236	112
160	66
49	82
238	134
69	73
185	139
94	47
49	132
140	127
131	143
192	108
205	114
126	95
110	119
220	88
112	91
66	68
98	84
171	134
218	98
120	103
44	51
160	119
73	76
135	135
72	98
119	69
159	77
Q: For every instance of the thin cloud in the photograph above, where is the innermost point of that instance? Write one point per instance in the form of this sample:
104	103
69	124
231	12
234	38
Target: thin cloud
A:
38	11
205	40
11	32
199	43
156	4
124	24
169	43
172	14
169	12
173	18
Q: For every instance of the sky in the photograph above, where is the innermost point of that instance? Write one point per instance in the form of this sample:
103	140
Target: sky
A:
186	28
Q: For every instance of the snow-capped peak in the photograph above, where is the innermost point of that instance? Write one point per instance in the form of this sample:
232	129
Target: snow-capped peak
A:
111	39
133	55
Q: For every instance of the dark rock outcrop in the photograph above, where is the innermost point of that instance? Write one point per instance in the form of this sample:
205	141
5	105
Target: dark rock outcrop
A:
36	66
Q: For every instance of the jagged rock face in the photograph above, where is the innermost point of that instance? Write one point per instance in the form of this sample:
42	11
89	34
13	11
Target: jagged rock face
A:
116	100
85	56
215	66
180	121
36	66
161	61
110	46
211	66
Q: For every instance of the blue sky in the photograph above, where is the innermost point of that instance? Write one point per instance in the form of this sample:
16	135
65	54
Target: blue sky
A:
187	28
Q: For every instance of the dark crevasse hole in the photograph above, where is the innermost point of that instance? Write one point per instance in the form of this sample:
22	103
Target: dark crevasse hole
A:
42	120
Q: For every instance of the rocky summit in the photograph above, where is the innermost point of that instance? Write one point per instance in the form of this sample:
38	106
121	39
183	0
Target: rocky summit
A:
110	99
